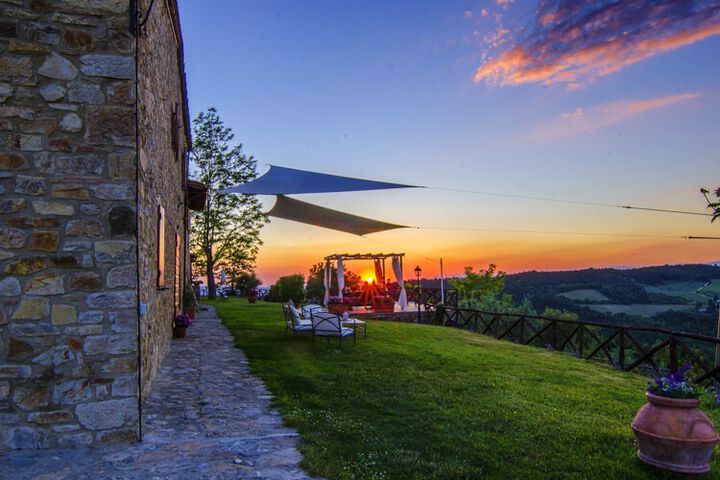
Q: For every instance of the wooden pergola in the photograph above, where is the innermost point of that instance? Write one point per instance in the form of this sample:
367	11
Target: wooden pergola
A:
364	256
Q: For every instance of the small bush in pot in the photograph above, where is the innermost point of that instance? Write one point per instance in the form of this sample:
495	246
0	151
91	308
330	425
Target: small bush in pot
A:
671	431
180	325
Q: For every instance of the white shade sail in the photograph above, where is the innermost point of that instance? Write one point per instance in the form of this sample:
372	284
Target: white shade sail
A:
303	212
283	180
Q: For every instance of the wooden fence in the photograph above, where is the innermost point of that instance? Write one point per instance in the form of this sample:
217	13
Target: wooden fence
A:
432	296
651	351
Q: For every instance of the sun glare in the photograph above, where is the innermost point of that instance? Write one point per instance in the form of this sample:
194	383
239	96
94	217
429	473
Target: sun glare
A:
369	279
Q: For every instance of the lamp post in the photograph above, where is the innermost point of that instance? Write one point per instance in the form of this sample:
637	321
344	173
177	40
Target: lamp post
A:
418	271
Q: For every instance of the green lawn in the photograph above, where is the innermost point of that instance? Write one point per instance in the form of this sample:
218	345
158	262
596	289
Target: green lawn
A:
424	402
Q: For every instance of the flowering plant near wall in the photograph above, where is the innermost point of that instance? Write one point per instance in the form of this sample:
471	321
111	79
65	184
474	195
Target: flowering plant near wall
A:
182	320
674	385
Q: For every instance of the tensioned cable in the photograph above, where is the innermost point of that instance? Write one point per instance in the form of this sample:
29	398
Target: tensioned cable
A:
573	202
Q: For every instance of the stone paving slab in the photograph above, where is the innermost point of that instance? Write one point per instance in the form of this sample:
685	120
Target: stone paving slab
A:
206	417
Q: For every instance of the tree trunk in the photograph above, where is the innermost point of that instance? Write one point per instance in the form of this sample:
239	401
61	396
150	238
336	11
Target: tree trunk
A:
211	278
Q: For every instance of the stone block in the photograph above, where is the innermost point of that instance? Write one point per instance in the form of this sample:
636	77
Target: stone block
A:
12	205
31	143
122	165
64	261
43	207
32	222
123	321
76	246
26	438
4	390
9	418
50	418
111	6
52	92
75	440
58	67
15	67
63	314
18	350
44	241
6	91
85	92
85	282
110	125
15	371
10	287
121	92
91	209
13	161
77	38
40	330
84	228
71	122
124	387
114	191
84	330
79	164
4	255
125	276
91	317
74	192
111	66
26	266
122	221
107	414
61	354
113	299
114	251
32	308
31	396
71	392
27	185
46	284
111	344
12	238
120	365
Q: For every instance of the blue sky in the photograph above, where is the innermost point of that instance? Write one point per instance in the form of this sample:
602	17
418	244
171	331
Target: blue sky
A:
491	96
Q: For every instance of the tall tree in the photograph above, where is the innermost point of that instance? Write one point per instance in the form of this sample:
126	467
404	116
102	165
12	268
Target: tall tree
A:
714	206
227	233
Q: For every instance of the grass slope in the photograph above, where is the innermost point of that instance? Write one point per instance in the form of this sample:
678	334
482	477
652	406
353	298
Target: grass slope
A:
423	402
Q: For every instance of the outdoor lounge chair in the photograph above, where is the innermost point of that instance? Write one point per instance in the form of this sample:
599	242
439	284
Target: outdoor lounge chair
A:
310	308
293	321
326	324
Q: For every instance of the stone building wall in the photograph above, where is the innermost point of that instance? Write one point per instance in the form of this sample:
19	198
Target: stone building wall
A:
162	170
68	322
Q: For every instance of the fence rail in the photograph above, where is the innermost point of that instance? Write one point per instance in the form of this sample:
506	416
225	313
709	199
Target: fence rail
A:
644	350
432	296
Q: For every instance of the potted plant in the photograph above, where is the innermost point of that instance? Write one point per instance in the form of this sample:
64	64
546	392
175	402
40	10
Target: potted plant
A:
671	432
383	303
338	304
189	305
180	325
252	296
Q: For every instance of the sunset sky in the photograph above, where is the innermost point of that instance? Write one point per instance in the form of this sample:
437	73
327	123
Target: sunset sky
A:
606	102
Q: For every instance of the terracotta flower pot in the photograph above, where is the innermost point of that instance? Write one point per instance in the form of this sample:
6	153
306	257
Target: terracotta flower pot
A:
338	308
252	299
179	332
674	434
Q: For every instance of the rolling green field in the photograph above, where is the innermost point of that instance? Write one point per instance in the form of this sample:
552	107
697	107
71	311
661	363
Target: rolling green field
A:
584	295
643	310
688	290
426	402
713	288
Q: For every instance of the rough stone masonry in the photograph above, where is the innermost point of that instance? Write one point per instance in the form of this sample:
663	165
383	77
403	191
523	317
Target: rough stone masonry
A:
72	162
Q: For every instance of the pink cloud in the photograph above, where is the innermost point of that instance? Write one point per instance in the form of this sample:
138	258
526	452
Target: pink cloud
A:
582	121
574	42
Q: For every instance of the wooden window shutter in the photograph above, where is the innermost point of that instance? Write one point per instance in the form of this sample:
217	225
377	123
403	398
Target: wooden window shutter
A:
161	247
178	283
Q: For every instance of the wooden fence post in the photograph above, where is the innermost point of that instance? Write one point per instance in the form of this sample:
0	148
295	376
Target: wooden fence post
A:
621	342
